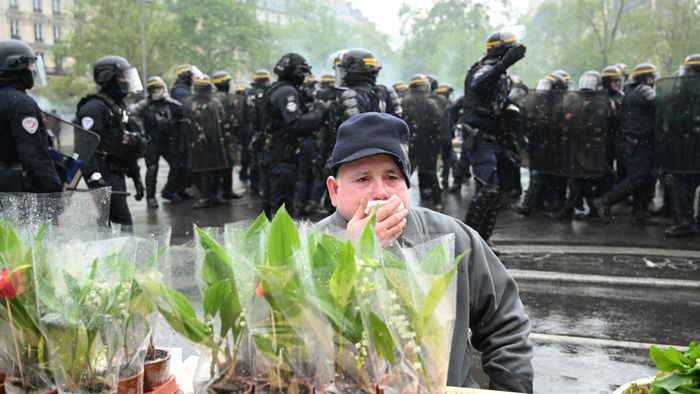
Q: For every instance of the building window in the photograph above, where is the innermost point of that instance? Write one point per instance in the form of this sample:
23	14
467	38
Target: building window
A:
37	6
56	33
38	32
14	29
58	64
13	4
56	7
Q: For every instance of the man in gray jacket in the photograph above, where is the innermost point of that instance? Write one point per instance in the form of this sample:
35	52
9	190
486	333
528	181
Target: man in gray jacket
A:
369	163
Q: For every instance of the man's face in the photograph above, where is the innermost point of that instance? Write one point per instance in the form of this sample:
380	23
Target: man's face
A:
372	178
616	85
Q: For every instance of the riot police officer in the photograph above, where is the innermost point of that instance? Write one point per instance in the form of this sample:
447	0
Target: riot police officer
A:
326	81
233	106
251	129
206	128
485	94
612	80
121	139
681	187
401	89
635	143
445	90
182	87
425	116
25	162
357	69
287	121
163	123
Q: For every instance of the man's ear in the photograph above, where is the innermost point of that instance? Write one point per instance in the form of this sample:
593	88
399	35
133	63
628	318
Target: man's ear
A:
332	185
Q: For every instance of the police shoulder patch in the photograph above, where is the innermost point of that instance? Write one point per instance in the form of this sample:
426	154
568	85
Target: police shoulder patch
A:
292	104
30	124
87	122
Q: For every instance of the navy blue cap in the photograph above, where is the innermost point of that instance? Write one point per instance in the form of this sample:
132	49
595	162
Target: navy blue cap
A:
369	134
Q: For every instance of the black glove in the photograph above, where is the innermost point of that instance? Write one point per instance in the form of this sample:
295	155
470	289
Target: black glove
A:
138	185
513	55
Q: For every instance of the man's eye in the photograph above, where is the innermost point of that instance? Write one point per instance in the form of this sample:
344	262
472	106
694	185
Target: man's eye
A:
362	179
392	177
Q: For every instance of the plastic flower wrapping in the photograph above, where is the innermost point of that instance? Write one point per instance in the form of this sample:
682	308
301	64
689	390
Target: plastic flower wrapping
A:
288	308
84	288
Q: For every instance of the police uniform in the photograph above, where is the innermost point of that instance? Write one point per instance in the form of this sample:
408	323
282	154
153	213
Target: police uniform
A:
250	131
231	104
114	160
25	162
163	123
289	122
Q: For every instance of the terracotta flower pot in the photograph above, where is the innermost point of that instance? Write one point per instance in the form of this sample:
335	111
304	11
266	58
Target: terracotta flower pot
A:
354	388
157	371
232	386
130	385
14	385
169	387
299	387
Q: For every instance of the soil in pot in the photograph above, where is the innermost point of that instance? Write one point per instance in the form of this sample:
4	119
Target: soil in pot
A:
14	385
232	386
156	369
131	384
297	387
354	388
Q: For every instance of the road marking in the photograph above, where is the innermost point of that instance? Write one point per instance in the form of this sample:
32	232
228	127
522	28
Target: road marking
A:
598	341
603	279
616	250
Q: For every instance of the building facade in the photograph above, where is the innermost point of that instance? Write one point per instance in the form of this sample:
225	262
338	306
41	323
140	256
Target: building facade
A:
39	23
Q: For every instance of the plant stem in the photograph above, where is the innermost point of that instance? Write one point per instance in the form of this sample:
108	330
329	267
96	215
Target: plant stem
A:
274	344
14	338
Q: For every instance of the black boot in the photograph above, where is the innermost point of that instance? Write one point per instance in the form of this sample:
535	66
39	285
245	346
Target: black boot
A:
151	176
483	211
618	193
684	229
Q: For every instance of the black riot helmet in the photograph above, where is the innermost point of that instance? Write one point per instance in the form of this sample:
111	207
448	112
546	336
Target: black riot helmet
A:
292	68
357	65
612	78
420	83
157	88
222	81
691	65
433	82
624	70
400	86
202	84
262	78
445	89
18	63
590	80
552	82
564	75
327	80
644	73
116	75
499	42
310	82
518	91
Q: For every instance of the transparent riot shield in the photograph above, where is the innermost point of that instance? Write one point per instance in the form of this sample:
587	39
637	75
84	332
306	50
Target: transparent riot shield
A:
584	133
543	110
677	128
73	146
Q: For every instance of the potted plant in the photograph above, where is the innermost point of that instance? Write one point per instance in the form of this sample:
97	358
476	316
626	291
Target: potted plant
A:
679	372
83	293
22	342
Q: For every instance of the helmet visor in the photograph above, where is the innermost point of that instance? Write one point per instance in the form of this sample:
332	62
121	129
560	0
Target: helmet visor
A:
196	72
519	32
588	82
340	74
129	81
38	71
544	84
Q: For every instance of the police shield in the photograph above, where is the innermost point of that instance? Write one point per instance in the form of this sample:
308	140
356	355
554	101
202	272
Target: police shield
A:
584	133
543	110
72	147
205	134
677	128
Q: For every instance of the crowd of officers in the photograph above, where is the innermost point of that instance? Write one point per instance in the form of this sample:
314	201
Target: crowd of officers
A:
282	132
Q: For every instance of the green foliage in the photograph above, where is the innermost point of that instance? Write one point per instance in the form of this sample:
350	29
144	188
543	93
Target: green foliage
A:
685	368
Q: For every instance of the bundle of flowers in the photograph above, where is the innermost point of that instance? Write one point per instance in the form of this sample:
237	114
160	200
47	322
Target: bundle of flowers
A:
292	309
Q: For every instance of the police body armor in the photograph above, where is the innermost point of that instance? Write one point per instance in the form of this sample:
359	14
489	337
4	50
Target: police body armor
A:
205	135
275	144
487	107
254	116
677	125
230	127
123	142
161	125
382	99
584	133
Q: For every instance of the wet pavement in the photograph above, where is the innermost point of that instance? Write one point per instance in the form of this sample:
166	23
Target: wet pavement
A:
598	295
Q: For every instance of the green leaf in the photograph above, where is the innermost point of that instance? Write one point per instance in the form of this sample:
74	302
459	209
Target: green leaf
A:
381	338
342	282
260	225
671	384
667	360
368	241
435	261
435	294
182	317
283	239
217	263
215	296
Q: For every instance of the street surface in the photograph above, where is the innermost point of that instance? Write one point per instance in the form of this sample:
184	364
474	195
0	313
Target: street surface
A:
598	296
